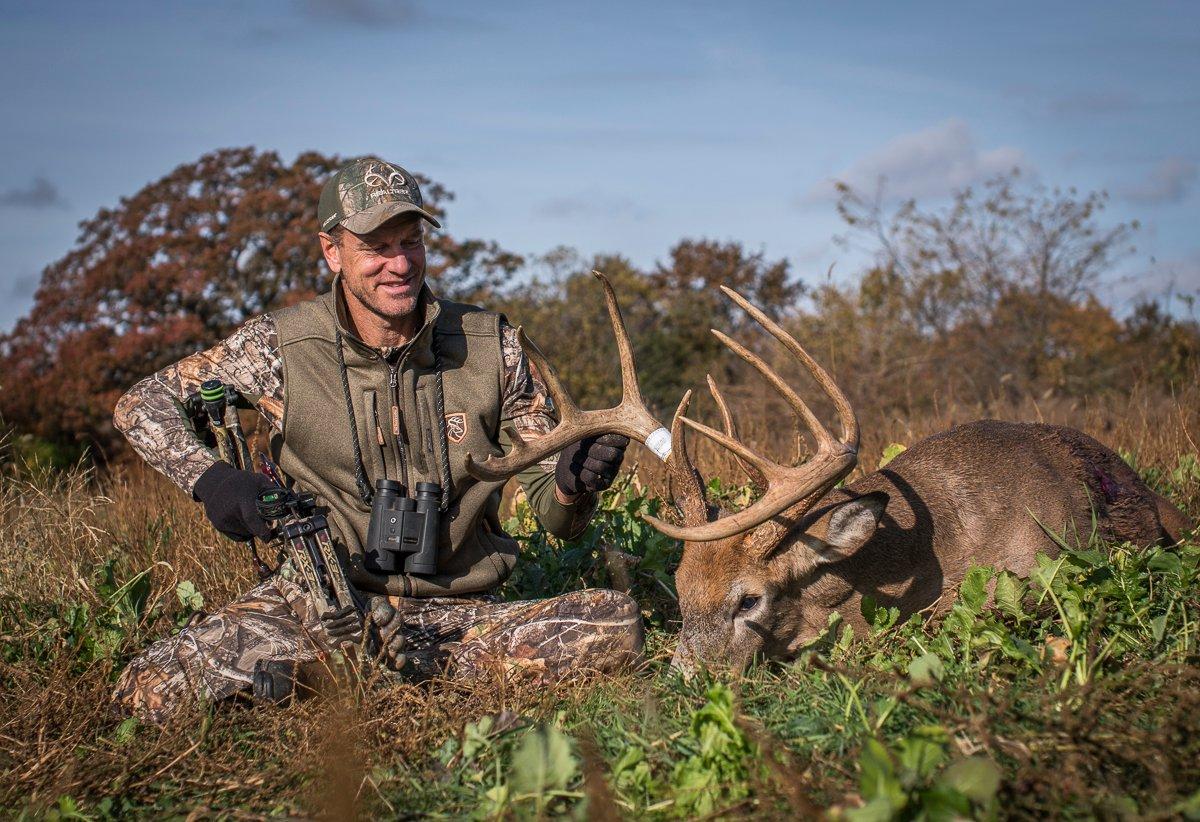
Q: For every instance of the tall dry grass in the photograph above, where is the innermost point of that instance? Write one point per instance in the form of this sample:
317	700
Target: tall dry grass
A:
323	757
58	734
1152	427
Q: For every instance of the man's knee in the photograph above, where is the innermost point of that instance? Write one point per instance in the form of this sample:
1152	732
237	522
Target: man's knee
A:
151	688
216	657
617	613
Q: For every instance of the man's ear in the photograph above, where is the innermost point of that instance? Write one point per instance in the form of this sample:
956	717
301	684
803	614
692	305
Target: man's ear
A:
846	526
332	252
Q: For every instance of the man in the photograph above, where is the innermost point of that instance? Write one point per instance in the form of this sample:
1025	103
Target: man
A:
378	379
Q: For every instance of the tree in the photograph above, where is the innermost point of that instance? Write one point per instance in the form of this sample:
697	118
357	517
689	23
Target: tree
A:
998	286
668	312
177	266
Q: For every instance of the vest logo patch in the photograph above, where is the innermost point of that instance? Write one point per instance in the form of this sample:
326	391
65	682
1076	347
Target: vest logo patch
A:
456	427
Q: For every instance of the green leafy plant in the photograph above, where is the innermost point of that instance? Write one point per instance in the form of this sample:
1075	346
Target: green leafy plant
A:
913	781
617	534
720	758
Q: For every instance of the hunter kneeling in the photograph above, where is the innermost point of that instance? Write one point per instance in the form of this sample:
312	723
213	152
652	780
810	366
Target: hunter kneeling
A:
374	386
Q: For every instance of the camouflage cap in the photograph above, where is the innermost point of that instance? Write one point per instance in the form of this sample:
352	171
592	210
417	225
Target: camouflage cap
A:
365	193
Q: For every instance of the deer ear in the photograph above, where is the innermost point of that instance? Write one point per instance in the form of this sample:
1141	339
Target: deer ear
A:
843	529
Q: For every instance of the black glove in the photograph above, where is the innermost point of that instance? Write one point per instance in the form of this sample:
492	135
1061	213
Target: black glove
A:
230	498
590	464
391	638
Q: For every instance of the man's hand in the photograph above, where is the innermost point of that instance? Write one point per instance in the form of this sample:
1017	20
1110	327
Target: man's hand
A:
344	624
230	501
391	638
590	464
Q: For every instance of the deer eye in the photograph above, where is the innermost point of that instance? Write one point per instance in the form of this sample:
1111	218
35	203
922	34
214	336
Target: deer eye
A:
747	604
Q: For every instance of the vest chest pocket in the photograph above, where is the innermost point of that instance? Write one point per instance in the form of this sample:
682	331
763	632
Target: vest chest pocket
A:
425	457
372	440
464	423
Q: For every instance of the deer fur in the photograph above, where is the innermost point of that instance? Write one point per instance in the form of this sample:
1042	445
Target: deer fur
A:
907	534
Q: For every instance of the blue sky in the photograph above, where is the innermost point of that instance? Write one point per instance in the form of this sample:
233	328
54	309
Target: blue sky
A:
613	126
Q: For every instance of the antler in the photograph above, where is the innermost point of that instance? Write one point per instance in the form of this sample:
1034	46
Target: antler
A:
629	417
788	490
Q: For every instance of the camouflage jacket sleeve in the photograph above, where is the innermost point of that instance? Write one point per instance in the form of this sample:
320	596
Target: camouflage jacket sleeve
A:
528	407
150	414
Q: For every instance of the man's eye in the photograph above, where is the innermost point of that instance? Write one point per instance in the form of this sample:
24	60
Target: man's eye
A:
747	604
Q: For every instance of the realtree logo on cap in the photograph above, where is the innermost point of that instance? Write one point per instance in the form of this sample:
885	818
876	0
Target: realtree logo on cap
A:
375	179
379	182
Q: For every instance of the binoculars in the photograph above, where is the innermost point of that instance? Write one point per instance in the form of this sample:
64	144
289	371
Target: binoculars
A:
403	534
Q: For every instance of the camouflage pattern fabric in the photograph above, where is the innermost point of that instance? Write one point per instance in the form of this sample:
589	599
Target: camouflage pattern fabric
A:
214	657
547	641
365	193
526	400
543	641
150	417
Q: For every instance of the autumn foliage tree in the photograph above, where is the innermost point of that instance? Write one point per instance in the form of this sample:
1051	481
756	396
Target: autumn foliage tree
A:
175	267
669	310
993	295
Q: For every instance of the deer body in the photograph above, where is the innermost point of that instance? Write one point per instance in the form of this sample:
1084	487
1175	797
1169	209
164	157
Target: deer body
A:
972	495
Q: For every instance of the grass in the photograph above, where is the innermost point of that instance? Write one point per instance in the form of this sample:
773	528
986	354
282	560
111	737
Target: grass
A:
1076	695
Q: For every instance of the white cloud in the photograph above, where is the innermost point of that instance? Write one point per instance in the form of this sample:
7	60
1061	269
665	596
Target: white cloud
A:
1168	182
927	163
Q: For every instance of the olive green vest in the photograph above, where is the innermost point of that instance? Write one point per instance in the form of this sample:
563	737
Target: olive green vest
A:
397	422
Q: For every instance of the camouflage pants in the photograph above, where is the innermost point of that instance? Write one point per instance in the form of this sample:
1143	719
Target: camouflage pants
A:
546	640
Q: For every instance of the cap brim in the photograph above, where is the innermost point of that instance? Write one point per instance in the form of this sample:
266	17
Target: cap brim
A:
372	218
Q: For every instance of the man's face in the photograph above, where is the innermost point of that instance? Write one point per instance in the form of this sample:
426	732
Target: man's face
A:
382	270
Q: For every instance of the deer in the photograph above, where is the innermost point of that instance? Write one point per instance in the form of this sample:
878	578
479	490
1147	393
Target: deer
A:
764	581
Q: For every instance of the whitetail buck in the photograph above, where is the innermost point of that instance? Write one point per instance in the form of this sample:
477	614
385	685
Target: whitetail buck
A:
765	580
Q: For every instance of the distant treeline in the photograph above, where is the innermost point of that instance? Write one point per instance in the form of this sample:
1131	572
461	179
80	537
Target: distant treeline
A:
991	297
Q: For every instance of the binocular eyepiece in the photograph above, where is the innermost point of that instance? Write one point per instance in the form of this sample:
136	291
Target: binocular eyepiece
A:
403	534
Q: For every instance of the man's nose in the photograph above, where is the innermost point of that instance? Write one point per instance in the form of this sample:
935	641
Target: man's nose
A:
399	263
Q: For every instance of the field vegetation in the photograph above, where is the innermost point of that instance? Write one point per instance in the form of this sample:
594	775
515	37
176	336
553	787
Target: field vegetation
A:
1076	693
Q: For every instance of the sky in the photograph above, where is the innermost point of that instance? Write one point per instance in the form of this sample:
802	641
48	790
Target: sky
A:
615	127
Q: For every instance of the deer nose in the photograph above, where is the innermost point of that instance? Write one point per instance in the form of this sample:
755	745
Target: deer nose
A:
684	661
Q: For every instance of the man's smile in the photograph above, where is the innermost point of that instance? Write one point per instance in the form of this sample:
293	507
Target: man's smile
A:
398	286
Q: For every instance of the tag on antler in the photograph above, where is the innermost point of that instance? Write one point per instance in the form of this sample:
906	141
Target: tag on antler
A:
659	442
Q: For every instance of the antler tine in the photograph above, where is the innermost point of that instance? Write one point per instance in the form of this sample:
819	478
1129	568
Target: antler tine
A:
756	476
629	417
629	383
567	409
845	412
788	490
824	439
767	467
687	487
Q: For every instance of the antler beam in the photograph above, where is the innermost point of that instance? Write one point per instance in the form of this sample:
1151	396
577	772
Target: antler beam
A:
629	417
